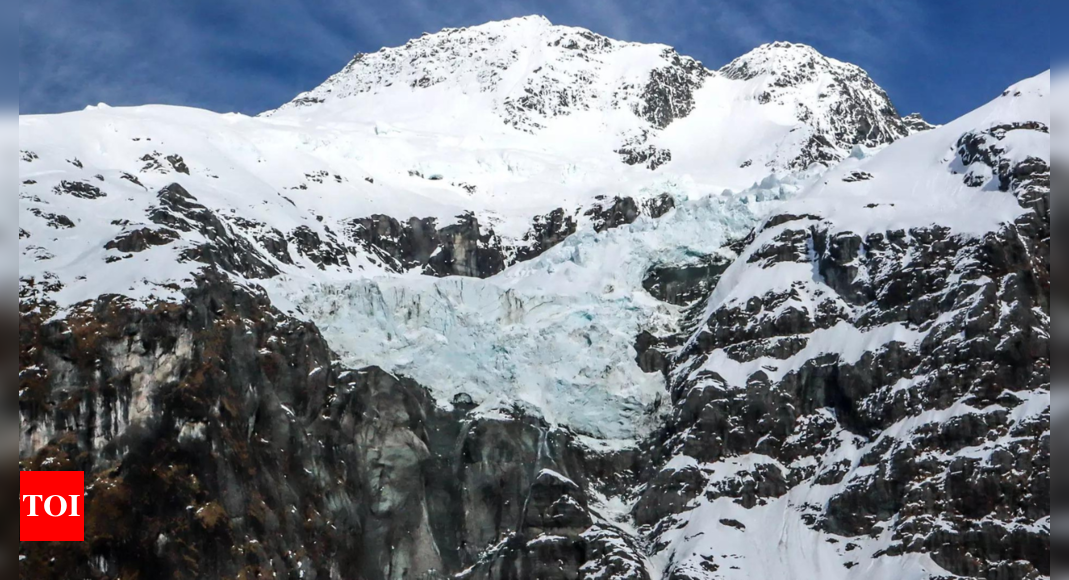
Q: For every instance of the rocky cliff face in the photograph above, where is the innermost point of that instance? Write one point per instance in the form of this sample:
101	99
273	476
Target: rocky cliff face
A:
465	249
221	439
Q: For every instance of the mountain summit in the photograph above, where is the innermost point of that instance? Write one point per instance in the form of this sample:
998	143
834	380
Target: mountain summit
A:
526	70
537	77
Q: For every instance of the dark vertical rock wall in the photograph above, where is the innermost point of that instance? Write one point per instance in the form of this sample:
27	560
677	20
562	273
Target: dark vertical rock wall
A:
221	440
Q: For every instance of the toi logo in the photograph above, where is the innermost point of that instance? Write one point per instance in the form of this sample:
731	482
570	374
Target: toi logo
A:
52	506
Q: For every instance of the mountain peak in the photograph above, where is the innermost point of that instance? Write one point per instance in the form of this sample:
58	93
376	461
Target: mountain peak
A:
529	21
782	58
526	70
839	99
529	74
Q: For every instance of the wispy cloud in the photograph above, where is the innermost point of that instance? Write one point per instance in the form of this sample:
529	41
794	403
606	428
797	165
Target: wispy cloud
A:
237	55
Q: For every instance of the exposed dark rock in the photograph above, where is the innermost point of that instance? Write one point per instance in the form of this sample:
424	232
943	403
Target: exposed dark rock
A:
608	215
152	163
178	164
985	300
685	284
463	400
142	239
650	358
546	231
658	206
984	148
79	189
733	524
857	176
270	239
669	94
179	211
59	222
132	179
916	123
465	250
649	156
323	251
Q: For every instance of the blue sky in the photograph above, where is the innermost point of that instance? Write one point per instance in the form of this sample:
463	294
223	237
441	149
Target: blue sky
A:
940	57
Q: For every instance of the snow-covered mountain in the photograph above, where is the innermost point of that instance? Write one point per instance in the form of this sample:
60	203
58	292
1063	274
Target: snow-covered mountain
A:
526	134
657	316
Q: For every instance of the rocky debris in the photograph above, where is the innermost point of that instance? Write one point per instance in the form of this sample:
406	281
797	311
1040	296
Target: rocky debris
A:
178	164
856	176
75	162
152	163
649	156
323	251
28	156
179	211
142	239
79	189
23	234
54	221
133	179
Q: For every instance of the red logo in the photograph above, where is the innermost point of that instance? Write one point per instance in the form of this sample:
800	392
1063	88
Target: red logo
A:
52	506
